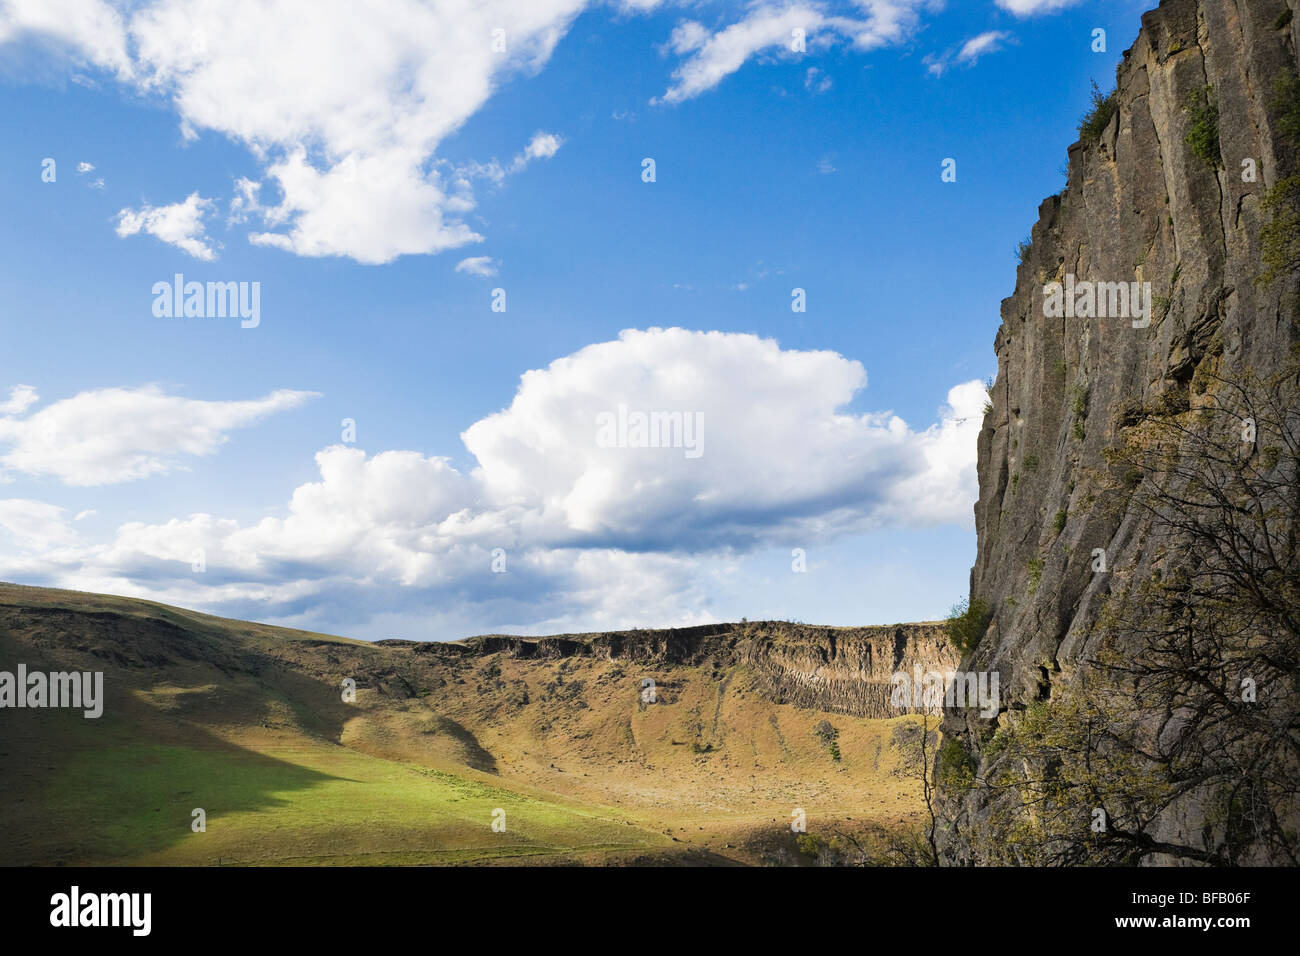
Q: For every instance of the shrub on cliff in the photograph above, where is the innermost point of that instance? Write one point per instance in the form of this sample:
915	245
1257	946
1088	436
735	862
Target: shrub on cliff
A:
810	844
966	623
1280	236
1098	116
956	767
1203	133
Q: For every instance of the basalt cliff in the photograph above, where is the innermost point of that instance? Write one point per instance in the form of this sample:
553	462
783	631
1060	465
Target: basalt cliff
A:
844	670
1181	180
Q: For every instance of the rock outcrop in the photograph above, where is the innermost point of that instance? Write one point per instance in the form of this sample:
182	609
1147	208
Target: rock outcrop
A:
1145	201
845	670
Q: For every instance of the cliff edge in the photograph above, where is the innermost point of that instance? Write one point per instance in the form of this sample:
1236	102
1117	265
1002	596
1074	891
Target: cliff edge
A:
1175	183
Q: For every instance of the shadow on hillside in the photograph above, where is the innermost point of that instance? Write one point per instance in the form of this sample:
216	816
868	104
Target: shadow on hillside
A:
124	785
84	792
474	753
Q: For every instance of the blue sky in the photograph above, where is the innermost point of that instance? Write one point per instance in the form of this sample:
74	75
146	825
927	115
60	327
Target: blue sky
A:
380	174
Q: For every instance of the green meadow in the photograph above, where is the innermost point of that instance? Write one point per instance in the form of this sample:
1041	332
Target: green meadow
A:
299	804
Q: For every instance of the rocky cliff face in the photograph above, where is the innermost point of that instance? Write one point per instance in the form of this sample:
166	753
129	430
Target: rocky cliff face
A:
1143	203
846	670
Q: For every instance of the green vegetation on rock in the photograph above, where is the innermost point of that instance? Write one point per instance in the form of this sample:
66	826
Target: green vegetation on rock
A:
1099	114
1203	133
966	623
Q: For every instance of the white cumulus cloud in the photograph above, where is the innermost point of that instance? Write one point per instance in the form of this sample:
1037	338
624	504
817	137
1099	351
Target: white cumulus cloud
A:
21	398
180	225
595	534
91	31
593	531
351	151
481	266
343	104
541	146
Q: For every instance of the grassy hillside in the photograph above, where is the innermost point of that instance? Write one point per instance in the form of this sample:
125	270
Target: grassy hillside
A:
247	722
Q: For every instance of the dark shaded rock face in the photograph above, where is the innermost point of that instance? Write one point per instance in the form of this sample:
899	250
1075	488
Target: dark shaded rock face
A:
845	670
1140	205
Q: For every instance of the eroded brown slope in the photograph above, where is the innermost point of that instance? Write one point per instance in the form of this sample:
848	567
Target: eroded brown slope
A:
719	759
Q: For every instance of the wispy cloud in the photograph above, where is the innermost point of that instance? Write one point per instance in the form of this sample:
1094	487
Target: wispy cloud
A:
816	81
542	146
781	30
122	434
978	46
969	52
1029	8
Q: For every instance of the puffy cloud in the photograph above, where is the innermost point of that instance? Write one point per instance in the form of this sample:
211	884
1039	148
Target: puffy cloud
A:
121	434
379	517
181	540
541	146
180	225
91	30
246	201
344	104
945	488
595	532
372	209
639	6
608	589
776	452
482	266
21	398
351	150
687	37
